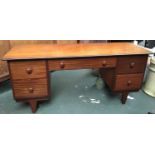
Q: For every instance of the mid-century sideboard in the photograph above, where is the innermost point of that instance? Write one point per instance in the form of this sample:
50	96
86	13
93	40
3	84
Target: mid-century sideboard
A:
122	67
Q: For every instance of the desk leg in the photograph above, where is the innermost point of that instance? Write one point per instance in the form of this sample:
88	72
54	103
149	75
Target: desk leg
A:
33	104
124	97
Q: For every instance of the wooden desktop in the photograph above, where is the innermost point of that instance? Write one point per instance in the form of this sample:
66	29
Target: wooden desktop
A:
122	67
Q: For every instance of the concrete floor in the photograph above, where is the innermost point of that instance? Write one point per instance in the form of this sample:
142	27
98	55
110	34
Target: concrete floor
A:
76	92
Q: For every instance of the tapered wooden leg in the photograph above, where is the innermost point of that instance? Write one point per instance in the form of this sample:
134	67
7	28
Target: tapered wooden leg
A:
124	97
33	104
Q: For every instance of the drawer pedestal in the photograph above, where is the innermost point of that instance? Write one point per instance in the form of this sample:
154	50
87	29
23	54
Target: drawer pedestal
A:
30	81
127	76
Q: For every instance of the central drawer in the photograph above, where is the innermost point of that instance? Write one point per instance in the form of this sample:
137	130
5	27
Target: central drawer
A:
82	63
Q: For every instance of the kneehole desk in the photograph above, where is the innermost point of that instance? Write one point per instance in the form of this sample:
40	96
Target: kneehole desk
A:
122	67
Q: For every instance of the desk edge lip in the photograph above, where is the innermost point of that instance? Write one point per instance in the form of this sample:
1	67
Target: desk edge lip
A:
73	57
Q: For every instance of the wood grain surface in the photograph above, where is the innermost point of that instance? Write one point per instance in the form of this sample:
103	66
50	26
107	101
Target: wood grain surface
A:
44	51
14	43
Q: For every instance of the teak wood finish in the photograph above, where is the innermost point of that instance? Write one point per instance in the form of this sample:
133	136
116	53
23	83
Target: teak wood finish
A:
44	51
122	67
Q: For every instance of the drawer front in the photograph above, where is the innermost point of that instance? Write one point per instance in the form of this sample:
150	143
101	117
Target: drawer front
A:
28	69
31	88
131	64
128	82
81	63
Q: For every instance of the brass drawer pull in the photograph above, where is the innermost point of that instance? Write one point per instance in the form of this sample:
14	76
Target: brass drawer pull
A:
129	83
132	64
104	63
30	90
29	70
62	65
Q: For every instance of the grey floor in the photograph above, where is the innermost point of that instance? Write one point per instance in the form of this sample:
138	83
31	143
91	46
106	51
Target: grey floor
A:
78	92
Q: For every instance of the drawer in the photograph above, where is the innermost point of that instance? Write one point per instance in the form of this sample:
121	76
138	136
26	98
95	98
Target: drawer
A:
131	64
128	82
32	88
81	63
28	69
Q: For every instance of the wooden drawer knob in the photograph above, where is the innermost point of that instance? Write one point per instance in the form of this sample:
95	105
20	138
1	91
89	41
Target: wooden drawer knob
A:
129	83
104	63
132	64
29	70
62	65
30	90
